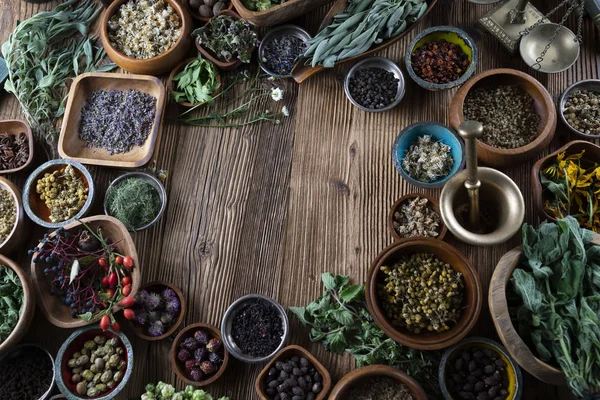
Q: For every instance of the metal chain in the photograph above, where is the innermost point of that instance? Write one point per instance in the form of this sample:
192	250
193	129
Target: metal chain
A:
541	21
580	22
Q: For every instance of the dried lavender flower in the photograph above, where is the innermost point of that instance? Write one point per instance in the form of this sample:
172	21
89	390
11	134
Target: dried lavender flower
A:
427	160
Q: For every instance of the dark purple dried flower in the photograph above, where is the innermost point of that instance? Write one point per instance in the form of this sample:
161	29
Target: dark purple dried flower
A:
196	374
166	318
183	355
208	368
214	358
200	354
169	294
214	345
156	328
152	301
189	364
201	337
189	344
141	317
172	306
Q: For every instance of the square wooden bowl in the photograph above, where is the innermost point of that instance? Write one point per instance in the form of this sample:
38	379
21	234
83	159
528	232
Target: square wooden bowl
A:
51	306
287	353
70	146
280	13
15	127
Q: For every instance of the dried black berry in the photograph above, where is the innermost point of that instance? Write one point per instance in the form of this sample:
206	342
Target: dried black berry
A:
373	88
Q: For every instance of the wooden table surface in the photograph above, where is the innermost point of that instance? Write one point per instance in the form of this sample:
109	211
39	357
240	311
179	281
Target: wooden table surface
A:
268	208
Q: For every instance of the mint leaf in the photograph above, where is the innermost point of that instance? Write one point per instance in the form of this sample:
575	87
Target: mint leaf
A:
351	293
336	342
299	312
344	317
86	317
328	281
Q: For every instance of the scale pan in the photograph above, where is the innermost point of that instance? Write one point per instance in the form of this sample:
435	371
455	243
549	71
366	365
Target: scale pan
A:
563	52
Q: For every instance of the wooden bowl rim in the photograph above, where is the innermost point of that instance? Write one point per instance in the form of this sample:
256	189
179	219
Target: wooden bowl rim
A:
291	349
197	16
272	10
353	377
457	102
215	332
467	320
499	311
135	275
538	189
182	64
20	214
28	308
435	205
137	328
29	134
181	10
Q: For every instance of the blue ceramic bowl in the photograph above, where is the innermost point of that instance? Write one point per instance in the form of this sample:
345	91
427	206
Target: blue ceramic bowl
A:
37	210
439	132
452	35
75	343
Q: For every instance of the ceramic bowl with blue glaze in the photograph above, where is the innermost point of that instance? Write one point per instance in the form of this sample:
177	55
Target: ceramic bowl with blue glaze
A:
74	343
438	132
35	207
452	35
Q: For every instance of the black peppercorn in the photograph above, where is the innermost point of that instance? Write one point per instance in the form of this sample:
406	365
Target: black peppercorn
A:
373	88
295	384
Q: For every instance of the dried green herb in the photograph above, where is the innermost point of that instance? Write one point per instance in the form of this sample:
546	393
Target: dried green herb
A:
558	288
42	53
11	301
133	201
340	320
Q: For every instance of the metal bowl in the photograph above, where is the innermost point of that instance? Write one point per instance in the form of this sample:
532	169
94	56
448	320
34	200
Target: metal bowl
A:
230	314
377	62
162	193
563	52
284	30
16	350
588	84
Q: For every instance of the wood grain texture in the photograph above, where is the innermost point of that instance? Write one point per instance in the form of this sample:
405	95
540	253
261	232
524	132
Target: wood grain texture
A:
268	208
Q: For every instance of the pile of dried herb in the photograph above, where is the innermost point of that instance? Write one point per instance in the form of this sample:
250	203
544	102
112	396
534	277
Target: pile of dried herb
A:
228	39
117	120
8	214
281	54
427	160
380	388
11	301
572	185
340	320
14	150
416	218
133	201
64	192
557	310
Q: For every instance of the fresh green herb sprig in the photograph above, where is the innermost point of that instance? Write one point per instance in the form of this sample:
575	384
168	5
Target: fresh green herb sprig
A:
197	82
11	301
133	201
42	53
340	320
558	285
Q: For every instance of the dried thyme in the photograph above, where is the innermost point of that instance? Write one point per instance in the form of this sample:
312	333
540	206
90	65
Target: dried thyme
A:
133	201
427	160
416	218
8	214
507	113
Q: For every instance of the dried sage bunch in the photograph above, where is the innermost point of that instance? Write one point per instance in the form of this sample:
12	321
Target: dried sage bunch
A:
42	52
362	24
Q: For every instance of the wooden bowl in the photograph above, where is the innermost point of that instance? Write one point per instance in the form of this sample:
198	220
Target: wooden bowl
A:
51	306
472	301
435	205
70	146
195	15
344	387
155	65
171	86
302	72
15	127
280	13
505	328
158	286
592	151
179	369
544	106
21	228
74	343
28	309
208	54
287	353
37	210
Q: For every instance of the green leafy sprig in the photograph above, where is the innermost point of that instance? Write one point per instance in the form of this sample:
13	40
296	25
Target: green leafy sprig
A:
11	301
340	320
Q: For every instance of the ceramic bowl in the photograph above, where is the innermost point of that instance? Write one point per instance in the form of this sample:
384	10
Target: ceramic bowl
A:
226	327
439	132
544	105
155	65
280	31
210	56
51	306
37	210
160	188
27	310
179	368
196	15
15	127
74	343
452	35
21	228
473	294
344	387
588	84
515	378
285	354
376	62
157	287
431	202
171	86
18	350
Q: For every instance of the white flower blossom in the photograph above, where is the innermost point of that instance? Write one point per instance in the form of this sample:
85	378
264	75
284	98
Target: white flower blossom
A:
285	111
277	94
